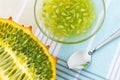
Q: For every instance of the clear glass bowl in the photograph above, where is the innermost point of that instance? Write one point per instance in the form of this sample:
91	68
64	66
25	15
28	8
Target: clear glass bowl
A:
100	15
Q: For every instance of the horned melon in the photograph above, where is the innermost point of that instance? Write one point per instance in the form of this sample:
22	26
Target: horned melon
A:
22	55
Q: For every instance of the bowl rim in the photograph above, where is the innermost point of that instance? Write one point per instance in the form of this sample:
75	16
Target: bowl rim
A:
79	41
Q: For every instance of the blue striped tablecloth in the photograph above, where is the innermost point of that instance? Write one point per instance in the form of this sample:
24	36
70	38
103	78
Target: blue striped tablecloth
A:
106	61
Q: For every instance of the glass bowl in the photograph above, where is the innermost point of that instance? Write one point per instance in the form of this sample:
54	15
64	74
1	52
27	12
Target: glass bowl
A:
69	33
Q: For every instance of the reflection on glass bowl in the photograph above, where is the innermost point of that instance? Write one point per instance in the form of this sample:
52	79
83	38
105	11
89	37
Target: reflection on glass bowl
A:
69	21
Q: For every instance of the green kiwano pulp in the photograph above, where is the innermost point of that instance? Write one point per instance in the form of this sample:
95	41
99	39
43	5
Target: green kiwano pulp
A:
67	18
21	57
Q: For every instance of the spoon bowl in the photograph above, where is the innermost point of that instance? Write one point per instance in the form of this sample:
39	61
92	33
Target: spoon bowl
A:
81	59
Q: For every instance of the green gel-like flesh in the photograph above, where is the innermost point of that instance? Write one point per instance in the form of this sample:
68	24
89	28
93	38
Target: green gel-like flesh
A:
18	48
67	18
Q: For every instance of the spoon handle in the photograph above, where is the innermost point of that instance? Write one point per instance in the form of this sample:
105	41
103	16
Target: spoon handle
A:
109	39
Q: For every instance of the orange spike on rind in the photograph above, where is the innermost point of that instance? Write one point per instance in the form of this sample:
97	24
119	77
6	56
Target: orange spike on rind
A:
30	28
10	18
56	59
48	46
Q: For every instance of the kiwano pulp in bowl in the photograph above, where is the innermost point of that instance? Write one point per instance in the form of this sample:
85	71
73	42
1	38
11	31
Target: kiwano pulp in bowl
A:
69	21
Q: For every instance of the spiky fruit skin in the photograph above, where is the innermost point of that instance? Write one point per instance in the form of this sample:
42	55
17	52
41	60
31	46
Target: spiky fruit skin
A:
30	56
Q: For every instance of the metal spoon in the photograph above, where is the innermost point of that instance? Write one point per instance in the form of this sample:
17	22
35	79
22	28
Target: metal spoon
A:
81	59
